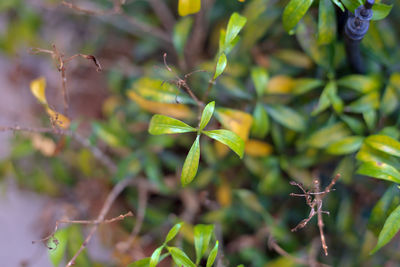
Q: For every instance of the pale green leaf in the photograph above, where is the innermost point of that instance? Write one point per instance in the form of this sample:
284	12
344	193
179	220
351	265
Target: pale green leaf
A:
232	140
260	79
140	263
180	258
207	114
202	237
293	13
173	232
161	124
235	24
379	170
212	256
287	117
221	65
360	83
384	143
191	164
327	135
345	146
155	257
57	252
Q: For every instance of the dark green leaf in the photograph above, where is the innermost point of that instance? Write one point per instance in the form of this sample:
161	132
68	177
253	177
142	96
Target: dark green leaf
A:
161	124
207	114
390	228
232	140
191	164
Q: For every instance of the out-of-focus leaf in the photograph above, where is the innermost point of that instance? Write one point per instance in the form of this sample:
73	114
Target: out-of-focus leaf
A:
206	115
324	100
326	22
224	193
260	125
235	24
360	83
294	58
327	135
58	119
202	237
384	143
380	11
304	85
345	146
212	256
174	110
389	100
161	124
140	263
365	103
379	170
57	253
354	124
237	121
389	230
370	118
180	258
257	148
155	257
187	7
38	89
339	4
260	79
75	240
43	144
293	13
280	84
191	164
173	232
287	117
221	65
181	33
229	138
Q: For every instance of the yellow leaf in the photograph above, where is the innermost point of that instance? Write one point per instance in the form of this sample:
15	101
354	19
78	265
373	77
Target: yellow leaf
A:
58	119
258	148
224	194
38	87
179	111
221	149
280	84
237	121
43	144
187	7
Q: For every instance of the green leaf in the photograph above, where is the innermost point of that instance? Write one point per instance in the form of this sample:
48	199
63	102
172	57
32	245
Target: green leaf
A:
364	103
379	170
207	114
173	232
354	124
326	22
293	13
384	143
202	237
161	124
360	83
232	140
304	85
287	117
389	100
380	11
140	263
339	4
235	24
345	146
260	79
57	252
191	164
221	65
327	135
181	33
180	258
155	257
389	230
324	100
212	256
260	125
370	118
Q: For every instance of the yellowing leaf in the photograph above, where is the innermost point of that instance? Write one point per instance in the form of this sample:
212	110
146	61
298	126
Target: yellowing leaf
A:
58	119
221	149
38	87
257	148
237	121
280	84
187	7
174	110
43	144
224	194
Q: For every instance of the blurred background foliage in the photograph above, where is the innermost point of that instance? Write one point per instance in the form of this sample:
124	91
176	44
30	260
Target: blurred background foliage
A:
300	110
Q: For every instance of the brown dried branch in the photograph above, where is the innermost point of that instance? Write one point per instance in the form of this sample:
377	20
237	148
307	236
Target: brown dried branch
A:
117	10
316	206
60	61
97	153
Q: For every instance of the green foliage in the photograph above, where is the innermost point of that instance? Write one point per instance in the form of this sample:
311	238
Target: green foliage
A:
389	230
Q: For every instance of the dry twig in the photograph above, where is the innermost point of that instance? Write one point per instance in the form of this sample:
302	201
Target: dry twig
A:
314	199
